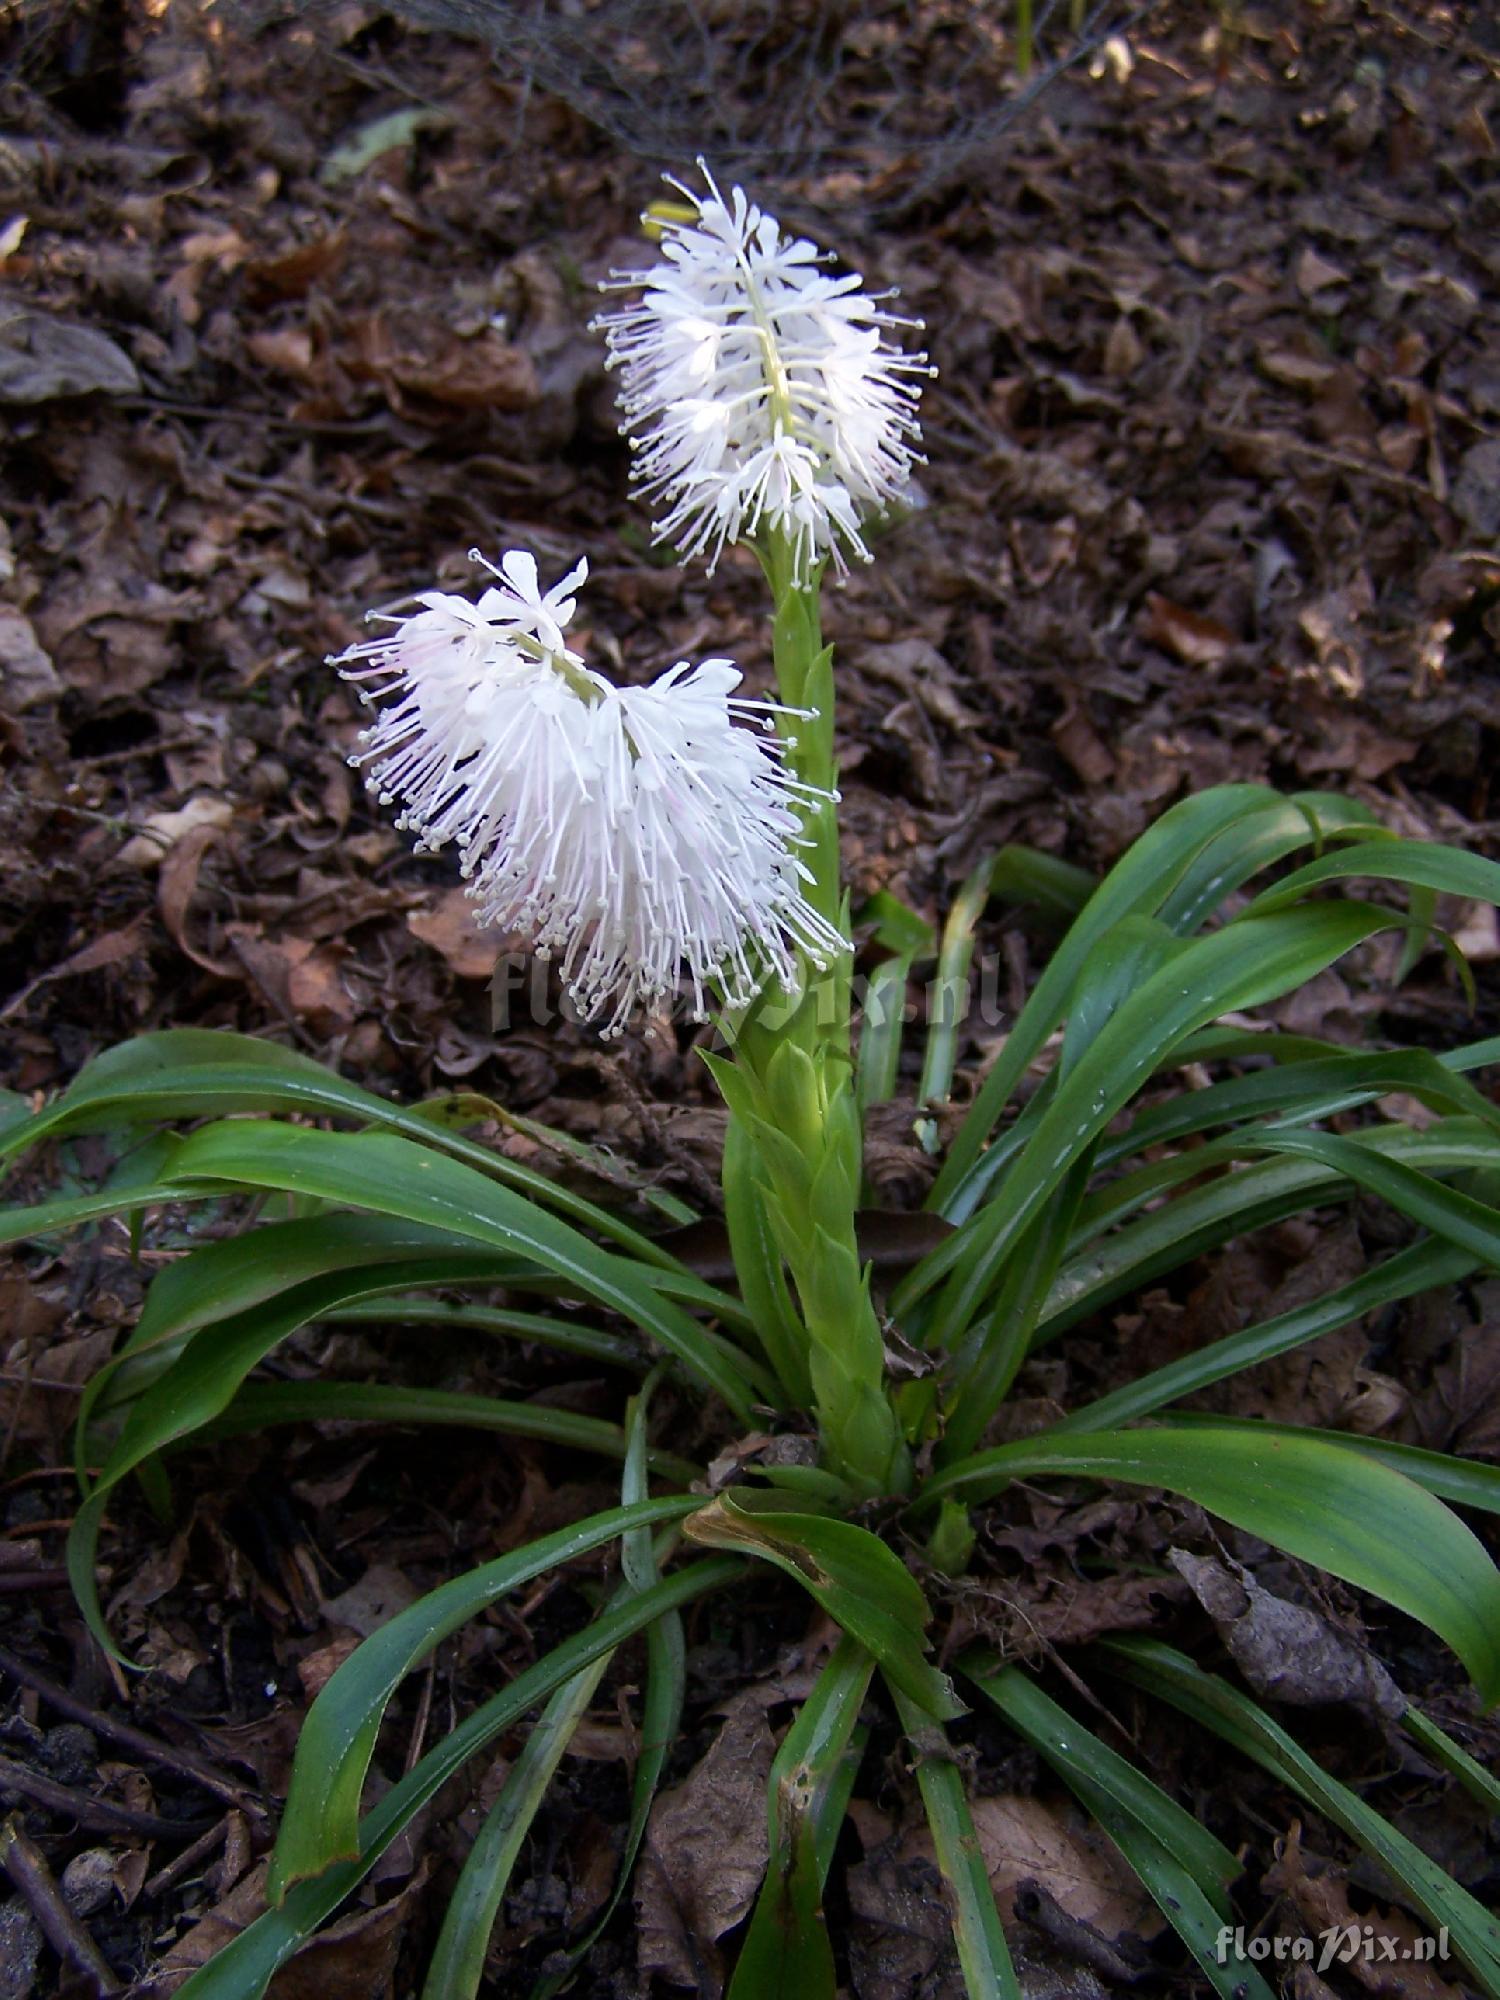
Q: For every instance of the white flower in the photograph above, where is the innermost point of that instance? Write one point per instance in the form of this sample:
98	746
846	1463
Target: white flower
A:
628	830
758	390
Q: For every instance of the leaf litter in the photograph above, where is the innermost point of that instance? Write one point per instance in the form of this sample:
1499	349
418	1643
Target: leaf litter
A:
1212	495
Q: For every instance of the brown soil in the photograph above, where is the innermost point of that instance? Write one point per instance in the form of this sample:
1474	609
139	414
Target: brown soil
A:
1213	494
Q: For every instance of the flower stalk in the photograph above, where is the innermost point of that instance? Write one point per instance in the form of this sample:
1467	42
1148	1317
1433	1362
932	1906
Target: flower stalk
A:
766	405
791	1086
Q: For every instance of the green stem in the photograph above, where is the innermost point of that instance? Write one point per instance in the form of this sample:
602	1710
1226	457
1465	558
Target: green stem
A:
1024	39
804	680
790	1092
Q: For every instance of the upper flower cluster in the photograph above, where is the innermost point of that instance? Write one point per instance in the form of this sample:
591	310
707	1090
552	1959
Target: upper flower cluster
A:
759	390
630	830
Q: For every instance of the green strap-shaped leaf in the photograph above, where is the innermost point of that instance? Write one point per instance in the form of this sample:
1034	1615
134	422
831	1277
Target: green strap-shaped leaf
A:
1460	1219
48	1218
1060	889
1420	1268
895	925
463	1107
202	1072
1227	1206
562	1331
202	1380
661	1708
1256	842
1180	870
1423	864
989	1356
1480	1783
218	1281
321	1823
1462	1482
1198	1110
1212	1044
1321	1503
786	1954
951	987
1071	1748
457	1965
860	1583
1176	1893
390	1175
1242	966
992	1352
881	1022
1184	1868
1121	962
983	1954
1140	881
759	1268
1172	1677
246	1966
263	1403
1301	1092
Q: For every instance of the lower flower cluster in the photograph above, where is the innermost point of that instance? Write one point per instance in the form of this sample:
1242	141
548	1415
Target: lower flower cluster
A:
629	832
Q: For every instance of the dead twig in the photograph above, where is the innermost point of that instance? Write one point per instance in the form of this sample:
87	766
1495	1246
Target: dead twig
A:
184	1863
100	1814
27	1868
150	1749
21	1581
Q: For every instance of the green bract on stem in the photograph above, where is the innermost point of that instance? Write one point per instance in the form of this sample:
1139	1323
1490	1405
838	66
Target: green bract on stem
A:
793	1089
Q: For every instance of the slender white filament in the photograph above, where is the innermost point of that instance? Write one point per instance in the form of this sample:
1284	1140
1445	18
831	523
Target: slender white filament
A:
628	831
760	391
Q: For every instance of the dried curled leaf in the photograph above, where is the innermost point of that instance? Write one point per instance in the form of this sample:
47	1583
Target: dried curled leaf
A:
42	358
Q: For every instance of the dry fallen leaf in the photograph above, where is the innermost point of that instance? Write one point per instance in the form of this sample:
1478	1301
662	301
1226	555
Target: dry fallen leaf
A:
354	1959
1314	273
1187	635
1319	1893
1294	368
114	948
367	1604
302	980
901	1937
1478	935
1476	490
269	280
287	349
161	831
409	354
317	1669
1341	740
174	892
1079	741
42	358
21	1946
27	675
1287	1652
1026	1840
449	926
704	1854
1123	352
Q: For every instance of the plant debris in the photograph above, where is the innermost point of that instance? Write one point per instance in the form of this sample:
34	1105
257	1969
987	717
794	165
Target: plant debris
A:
294	304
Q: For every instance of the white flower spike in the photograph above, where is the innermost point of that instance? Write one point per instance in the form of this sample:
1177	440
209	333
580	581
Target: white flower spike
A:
758	390
628	830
